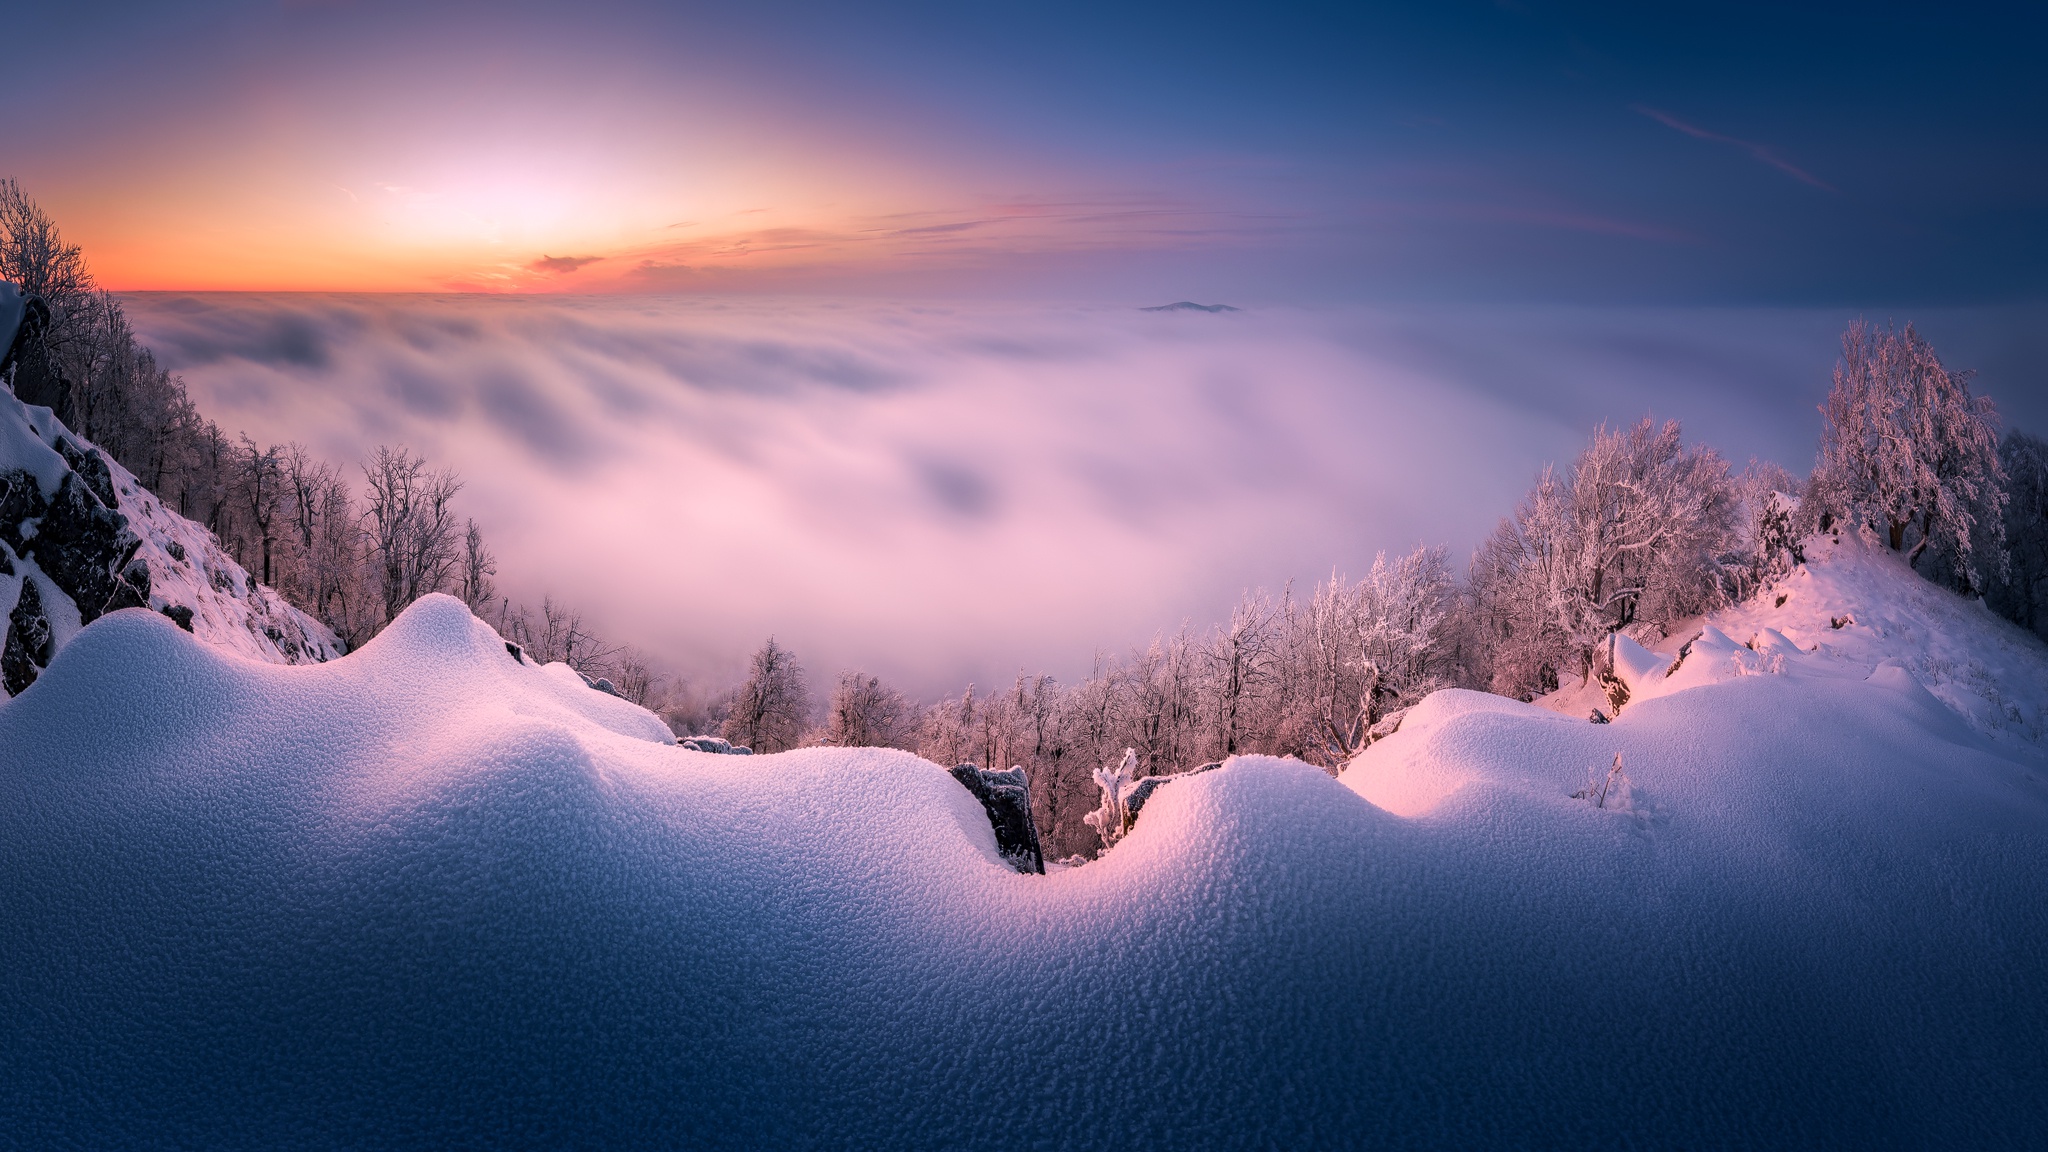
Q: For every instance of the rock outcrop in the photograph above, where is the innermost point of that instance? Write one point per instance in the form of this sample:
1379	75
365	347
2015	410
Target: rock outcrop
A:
80	537
1006	797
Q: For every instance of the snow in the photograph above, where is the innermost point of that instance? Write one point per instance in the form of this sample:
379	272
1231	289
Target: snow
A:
187	566
1855	608
426	895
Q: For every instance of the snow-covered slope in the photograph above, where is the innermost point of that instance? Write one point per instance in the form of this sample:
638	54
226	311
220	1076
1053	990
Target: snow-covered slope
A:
80	537
1854	609
425	896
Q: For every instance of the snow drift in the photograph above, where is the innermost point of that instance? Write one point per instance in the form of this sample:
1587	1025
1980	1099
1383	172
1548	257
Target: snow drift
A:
427	895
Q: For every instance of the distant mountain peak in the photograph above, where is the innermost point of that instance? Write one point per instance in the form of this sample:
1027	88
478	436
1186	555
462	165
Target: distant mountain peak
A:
1191	306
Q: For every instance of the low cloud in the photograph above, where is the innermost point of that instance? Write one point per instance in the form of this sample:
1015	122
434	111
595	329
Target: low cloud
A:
943	493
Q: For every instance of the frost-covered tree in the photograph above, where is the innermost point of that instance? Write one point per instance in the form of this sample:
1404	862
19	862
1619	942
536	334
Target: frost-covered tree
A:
772	709
1112	818
1631	537
1770	522
865	713
1358	652
2023	595
1907	451
259	481
478	566
1240	659
413	538
1401	609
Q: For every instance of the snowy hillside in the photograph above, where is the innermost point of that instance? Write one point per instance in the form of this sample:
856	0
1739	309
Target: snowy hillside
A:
427	895
79	537
1853	609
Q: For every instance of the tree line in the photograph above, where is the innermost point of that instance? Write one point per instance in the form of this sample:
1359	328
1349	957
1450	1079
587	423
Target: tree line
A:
1638	533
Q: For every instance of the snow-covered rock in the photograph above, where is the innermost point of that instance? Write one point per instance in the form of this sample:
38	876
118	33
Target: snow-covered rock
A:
430	895
89	539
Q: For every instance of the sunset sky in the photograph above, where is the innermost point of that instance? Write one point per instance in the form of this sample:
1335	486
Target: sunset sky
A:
841	336
1461	150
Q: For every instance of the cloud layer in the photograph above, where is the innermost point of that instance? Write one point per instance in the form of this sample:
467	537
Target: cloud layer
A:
944	493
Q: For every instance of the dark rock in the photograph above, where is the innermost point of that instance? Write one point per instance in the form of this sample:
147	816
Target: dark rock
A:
80	545
1597	716
714	745
28	641
176	550
518	657
91	468
1134	801
6	560
1006	797
35	320
131	590
21	500
180	615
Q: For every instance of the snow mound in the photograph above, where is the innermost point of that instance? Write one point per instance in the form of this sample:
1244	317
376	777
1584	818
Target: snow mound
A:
428	895
92	539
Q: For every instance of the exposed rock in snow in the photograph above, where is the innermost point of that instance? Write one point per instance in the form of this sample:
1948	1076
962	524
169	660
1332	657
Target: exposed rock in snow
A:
91	540
716	745
1006	796
1138	793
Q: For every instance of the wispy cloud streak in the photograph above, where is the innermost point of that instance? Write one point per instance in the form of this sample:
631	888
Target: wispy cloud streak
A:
1761	152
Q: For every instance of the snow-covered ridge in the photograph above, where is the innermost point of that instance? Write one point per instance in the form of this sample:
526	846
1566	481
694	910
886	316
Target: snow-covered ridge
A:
80	537
1854	610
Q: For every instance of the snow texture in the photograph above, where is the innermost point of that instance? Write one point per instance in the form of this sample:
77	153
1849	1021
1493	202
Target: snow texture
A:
429	896
187	568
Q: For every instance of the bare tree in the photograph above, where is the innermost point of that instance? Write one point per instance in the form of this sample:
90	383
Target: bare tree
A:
772	708
259	479
478	566
866	713
1239	656
412	527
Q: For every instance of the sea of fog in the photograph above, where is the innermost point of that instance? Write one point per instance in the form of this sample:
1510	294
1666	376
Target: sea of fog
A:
939	493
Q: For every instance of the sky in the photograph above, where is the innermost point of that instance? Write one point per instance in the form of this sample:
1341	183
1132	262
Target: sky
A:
1887	154
824	319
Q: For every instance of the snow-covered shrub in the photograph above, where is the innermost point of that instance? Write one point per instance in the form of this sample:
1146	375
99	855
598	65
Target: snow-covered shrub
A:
1609	788
1112	819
